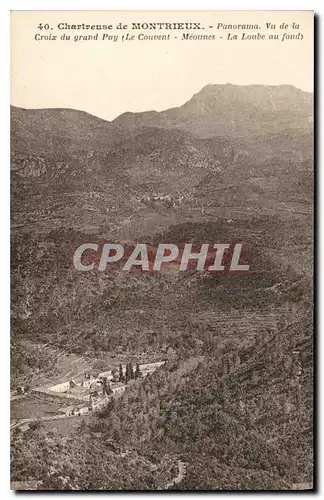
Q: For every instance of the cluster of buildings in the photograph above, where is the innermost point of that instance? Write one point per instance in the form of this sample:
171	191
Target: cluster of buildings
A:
89	391
172	199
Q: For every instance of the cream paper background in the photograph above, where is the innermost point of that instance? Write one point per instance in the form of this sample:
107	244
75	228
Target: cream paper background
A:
107	78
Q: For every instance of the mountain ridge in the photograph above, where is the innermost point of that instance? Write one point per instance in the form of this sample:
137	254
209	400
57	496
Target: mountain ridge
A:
153	111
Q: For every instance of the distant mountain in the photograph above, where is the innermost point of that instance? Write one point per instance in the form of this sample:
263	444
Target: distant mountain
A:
215	111
227	110
62	157
72	172
59	131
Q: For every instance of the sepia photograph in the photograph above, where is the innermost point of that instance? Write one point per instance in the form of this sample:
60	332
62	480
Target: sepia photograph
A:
162	251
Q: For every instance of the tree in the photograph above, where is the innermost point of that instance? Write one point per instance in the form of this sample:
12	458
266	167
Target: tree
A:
106	389
129	372
138	372
121	373
115	375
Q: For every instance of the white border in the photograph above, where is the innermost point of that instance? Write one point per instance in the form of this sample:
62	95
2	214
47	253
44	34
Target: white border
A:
5	7
163	5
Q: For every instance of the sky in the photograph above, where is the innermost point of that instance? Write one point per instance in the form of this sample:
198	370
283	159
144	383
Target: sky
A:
107	78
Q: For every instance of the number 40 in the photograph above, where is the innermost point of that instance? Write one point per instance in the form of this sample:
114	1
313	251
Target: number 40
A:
45	26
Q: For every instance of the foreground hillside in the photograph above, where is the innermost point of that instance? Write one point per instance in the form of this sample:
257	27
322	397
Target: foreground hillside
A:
230	416
121	312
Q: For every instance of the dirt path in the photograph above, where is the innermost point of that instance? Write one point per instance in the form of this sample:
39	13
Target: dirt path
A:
37	419
179	477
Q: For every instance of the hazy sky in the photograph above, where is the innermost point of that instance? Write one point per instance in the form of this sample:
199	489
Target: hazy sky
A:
108	78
